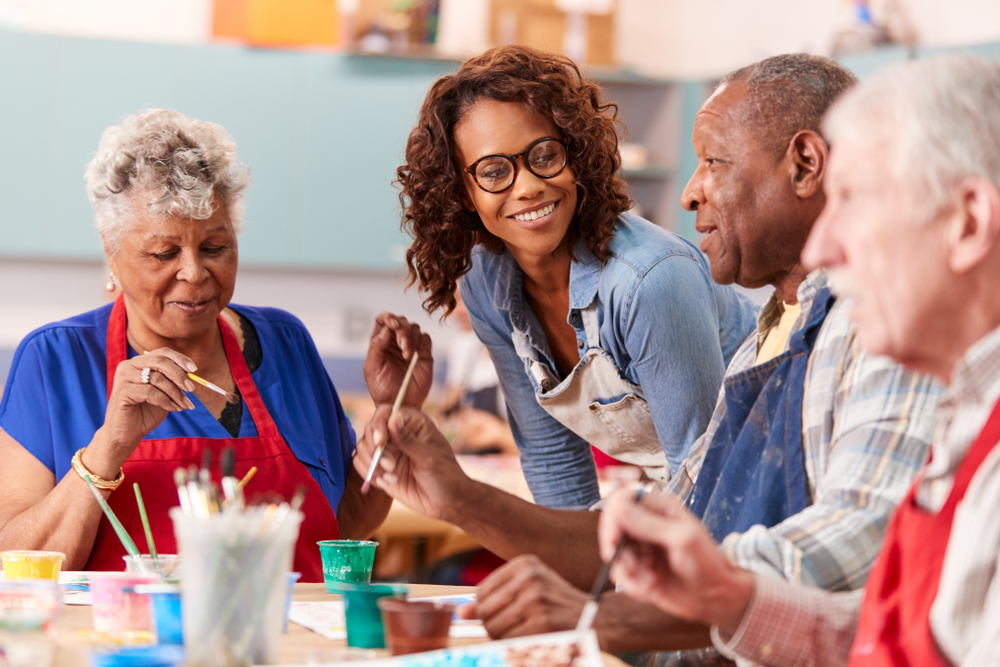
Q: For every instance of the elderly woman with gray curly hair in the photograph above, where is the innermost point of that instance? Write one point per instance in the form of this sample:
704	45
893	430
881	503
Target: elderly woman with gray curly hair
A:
108	393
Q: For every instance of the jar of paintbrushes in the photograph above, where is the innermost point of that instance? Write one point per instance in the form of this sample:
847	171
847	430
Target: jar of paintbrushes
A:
235	573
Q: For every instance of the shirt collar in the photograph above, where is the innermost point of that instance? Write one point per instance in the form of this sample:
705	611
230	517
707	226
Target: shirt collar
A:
584	277
976	376
771	312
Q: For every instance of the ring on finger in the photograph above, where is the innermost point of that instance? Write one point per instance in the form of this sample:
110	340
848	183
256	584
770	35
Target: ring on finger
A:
144	376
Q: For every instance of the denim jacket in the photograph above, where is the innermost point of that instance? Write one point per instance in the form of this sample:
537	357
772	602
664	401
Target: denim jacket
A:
666	324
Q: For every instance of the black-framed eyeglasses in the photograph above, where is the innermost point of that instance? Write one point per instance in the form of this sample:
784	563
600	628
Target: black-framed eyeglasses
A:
546	158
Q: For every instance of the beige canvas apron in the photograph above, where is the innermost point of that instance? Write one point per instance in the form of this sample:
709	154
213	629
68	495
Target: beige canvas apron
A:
597	404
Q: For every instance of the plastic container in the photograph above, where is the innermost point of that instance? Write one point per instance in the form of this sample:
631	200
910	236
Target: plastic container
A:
293	578
21	565
361	612
28	610
413	626
346	561
117	607
236	569
167	566
165	600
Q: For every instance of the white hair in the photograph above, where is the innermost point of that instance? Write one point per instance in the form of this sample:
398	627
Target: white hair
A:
169	164
938	120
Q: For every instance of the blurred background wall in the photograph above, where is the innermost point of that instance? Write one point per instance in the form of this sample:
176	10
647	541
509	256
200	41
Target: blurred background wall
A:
320	96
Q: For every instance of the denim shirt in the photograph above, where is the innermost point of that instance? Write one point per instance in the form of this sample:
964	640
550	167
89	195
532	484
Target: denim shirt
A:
666	324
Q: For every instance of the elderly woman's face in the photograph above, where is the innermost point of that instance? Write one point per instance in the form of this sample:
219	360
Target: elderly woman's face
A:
177	274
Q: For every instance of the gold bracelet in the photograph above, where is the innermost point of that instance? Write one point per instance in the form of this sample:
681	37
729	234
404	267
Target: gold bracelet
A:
99	482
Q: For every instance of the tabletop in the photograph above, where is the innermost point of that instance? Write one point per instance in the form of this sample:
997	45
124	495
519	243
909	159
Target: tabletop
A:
298	645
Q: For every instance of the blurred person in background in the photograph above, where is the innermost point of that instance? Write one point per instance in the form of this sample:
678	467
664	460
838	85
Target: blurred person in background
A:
473	411
107	393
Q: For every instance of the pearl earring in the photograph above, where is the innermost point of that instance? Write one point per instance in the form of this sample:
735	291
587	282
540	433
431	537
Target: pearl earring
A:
111	284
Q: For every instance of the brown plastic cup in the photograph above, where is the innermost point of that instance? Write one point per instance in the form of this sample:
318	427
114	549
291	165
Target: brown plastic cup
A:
413	626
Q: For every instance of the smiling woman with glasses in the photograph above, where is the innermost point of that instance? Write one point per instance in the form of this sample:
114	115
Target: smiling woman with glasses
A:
605	329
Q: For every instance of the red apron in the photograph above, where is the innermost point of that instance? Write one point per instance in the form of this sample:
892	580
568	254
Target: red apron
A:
153	462
894	626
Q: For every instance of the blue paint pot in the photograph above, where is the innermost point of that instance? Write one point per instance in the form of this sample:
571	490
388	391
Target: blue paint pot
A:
139	656
166	605
293	578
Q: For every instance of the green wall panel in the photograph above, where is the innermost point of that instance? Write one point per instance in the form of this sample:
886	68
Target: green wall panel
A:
322	133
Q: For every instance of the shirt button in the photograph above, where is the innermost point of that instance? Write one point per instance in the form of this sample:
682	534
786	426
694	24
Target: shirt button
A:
579	344
574	317
322	462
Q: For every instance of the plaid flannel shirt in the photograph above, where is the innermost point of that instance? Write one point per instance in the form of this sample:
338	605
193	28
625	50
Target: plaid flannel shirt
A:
867	424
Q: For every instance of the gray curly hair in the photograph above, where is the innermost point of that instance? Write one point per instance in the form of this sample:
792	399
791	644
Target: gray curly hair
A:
173	165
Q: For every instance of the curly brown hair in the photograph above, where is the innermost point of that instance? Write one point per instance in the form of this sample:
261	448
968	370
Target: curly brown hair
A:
443	230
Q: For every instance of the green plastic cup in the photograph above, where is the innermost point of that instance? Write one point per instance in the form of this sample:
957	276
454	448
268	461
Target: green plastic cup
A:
364	620
346	561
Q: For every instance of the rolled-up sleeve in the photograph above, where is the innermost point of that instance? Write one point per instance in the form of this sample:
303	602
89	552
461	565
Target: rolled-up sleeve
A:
793	626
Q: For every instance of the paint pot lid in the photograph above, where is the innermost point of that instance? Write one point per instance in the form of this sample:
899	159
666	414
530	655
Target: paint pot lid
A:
166	655
153	589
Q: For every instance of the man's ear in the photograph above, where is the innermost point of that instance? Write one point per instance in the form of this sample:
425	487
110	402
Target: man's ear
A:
808	153
974	227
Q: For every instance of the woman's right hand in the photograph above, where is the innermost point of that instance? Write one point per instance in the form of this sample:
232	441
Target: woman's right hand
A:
393	342
418	467
135	408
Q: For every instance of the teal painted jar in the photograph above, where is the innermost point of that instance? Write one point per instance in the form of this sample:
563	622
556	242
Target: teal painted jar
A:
346	561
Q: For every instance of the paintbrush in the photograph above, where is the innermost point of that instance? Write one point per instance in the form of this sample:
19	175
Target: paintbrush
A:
180	481
246	478
590	609
230	485
145	524
231	397
395	408
115	523
199	505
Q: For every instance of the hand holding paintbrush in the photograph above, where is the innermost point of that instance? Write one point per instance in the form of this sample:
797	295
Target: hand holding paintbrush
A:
590	609
395	408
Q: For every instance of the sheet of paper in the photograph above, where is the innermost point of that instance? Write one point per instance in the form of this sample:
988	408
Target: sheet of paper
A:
558	649
76	588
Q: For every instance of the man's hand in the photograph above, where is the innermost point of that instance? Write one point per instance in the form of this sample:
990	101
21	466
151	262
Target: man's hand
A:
525	597
393	341
672	561
418	467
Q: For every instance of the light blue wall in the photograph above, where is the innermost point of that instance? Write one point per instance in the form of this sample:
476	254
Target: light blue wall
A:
323	134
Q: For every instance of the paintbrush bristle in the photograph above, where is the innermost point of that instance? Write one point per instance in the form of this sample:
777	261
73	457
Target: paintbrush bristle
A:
232	398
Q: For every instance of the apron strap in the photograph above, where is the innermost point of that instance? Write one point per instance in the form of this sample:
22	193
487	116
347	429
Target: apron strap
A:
116	346
248	389
117	352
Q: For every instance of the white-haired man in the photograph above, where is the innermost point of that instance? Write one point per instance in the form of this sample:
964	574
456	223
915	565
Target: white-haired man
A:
911	232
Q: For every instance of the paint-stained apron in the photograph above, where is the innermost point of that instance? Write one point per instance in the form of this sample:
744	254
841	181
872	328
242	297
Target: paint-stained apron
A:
153	462
754	469
894	626
597	403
